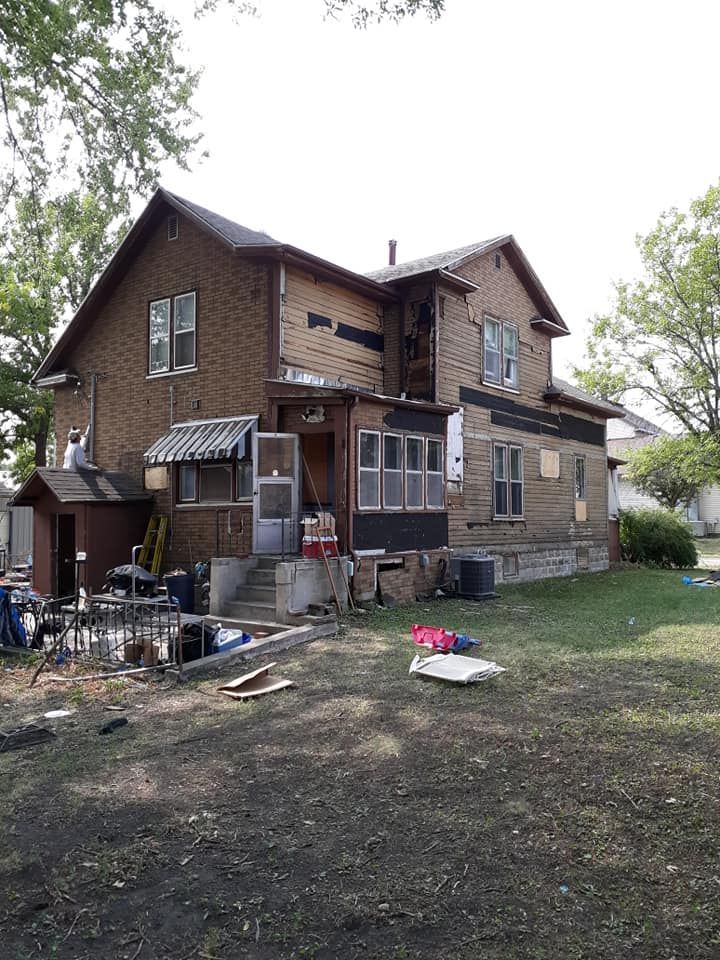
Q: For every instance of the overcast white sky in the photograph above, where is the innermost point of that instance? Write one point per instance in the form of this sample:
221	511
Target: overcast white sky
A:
569	124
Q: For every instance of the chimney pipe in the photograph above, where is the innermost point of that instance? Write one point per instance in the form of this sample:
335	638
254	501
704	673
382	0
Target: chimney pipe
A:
392	244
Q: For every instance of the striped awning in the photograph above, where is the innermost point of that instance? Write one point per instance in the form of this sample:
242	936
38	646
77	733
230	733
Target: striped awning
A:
199	440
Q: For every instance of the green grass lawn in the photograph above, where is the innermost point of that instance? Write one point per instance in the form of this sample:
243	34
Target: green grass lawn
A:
708	546
567	808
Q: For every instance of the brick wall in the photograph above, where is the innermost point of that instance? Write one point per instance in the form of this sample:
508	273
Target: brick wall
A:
133	410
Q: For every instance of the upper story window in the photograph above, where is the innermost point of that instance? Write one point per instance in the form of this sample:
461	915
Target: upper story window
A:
508	481
500	353
173	334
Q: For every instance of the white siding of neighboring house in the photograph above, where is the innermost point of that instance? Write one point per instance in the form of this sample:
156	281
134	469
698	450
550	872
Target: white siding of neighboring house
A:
709	507
613	493
631	499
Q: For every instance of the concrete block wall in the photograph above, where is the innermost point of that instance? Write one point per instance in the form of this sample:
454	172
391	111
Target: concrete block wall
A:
541	561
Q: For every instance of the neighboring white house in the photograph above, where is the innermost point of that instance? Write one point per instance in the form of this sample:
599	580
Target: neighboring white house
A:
629	434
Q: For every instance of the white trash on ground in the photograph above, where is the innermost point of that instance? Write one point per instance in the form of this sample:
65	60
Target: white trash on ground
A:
456	668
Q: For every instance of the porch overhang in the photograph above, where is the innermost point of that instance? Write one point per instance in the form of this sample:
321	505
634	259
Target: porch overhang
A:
199	440
289	391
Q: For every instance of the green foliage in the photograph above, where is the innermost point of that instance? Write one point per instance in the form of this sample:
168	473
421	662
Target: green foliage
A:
364	13
52	253
663	334
656	538
93	99
360	12
673	469
95	87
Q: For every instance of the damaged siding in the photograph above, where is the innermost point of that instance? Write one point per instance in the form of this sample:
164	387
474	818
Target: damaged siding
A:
516	417
332	332
418	359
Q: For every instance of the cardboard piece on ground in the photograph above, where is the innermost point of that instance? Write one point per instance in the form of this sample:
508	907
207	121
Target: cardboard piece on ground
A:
455	668
254	684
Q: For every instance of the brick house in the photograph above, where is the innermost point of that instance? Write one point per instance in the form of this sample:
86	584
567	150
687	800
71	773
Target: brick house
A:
246	383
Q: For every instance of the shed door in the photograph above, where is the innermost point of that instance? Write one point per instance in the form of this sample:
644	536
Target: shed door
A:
276	496
63	554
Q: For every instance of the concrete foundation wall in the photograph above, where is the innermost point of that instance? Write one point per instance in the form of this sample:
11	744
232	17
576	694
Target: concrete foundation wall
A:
539	561
299	583
226	575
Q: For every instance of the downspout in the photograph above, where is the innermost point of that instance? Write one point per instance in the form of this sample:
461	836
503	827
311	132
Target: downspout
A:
436	344
91	438
349	407
171	469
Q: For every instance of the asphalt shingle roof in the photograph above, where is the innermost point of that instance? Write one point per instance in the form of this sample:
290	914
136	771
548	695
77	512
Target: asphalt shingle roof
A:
233	232
84	486
438	261
570	390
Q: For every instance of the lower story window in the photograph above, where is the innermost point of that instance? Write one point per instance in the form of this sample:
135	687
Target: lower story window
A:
225	481
508	493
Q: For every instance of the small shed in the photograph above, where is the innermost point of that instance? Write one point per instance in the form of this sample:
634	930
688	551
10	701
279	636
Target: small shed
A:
99	512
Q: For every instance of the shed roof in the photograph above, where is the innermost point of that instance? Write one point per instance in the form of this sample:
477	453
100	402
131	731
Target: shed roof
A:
199	440
80	486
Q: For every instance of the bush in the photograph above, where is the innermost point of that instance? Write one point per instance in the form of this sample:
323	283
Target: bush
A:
656	538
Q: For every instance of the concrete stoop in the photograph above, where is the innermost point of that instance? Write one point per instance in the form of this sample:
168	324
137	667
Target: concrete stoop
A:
285	638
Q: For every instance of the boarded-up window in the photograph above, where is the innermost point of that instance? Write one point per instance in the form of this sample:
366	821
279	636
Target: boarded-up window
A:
550	464
156	478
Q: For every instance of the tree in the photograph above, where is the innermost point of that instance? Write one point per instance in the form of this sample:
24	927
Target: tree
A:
51	261
94	98
673	469
662	337
91	89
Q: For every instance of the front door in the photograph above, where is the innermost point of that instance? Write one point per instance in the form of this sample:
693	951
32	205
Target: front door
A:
276	496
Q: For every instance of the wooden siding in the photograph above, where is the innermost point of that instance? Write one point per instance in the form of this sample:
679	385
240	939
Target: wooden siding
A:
549	504
314	315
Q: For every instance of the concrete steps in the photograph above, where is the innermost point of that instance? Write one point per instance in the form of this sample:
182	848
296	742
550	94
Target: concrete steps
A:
251	610
261	577
259	594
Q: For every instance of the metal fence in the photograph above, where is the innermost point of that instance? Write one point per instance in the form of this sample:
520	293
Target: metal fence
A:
114	631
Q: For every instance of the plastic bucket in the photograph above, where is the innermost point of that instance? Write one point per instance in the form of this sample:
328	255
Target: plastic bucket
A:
182	586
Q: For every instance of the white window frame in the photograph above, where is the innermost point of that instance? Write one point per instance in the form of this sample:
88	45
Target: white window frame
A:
507	449
172	335
421	471
182	468
395	470
375	470
503	355
168	336
184	333
435	473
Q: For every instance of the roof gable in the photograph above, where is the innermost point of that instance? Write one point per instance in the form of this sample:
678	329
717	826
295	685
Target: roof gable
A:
549	318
